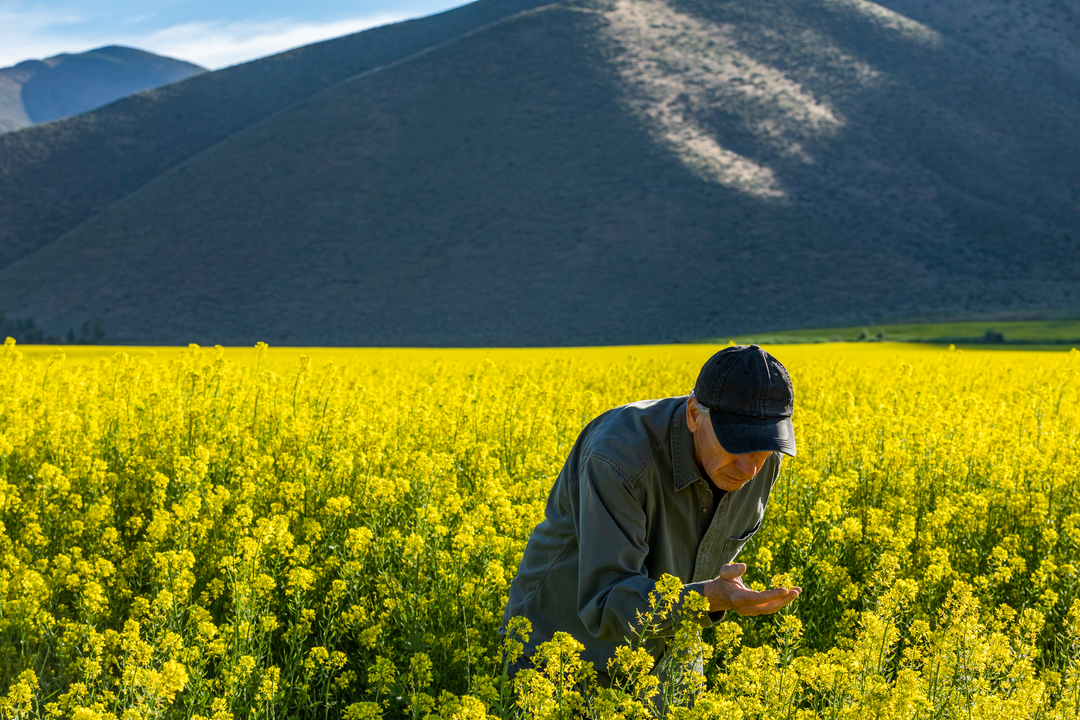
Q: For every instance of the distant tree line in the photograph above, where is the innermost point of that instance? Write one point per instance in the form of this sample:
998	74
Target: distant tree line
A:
26	332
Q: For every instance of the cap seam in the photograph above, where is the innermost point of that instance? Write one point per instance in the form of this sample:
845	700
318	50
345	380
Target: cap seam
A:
765	383
725	372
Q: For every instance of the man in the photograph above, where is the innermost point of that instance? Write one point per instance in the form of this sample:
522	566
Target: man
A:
675	486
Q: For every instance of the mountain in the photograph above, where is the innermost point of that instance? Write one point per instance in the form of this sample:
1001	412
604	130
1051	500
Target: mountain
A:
603	172
37	91
54	177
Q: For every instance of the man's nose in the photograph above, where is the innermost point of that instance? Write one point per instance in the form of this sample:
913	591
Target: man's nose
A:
746	465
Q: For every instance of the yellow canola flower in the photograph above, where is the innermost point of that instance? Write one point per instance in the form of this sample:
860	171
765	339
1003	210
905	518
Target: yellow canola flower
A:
273	533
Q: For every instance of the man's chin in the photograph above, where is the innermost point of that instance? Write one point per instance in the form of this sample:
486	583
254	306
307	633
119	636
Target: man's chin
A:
730	484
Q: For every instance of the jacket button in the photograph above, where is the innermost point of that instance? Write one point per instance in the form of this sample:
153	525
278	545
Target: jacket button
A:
704	509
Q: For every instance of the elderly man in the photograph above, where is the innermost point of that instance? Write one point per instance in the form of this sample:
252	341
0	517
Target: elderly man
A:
675	486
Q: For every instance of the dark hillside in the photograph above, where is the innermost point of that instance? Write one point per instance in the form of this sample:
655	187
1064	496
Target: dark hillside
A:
56	176
608	172
1041	37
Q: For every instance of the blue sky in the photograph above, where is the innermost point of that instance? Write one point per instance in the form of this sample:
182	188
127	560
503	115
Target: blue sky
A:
212	33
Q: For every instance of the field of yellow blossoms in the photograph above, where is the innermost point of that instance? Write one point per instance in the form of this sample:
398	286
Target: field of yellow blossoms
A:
208	534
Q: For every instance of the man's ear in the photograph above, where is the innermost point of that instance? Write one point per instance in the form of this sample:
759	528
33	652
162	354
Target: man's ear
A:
693	414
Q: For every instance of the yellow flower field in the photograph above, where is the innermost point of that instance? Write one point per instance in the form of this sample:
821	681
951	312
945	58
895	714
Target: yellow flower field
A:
327	533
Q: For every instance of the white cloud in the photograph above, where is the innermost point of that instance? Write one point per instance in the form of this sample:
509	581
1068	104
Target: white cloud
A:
218	44
16	21
139	18
38	33
35	34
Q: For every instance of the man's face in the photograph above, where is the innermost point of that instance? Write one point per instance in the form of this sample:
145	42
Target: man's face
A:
728	472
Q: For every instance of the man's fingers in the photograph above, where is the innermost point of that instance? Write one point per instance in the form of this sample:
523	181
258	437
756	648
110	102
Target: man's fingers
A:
732	571
768	607
743	596
731	594
764	609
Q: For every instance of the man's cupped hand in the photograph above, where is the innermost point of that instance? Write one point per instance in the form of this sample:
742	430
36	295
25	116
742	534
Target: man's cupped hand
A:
727	592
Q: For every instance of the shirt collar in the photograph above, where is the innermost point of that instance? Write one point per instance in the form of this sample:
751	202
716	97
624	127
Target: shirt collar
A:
684	466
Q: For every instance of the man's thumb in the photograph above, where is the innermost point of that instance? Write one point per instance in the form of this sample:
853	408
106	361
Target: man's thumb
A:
732	571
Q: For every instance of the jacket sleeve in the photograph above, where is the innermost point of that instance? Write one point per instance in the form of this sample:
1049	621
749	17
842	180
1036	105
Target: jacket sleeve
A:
613	583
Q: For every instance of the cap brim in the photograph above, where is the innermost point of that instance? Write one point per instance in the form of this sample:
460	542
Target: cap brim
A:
739	434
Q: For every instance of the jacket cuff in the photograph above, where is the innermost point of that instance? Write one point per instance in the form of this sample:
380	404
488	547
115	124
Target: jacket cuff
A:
709	618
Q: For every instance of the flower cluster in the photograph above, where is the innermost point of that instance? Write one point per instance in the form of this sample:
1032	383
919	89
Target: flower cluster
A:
208	539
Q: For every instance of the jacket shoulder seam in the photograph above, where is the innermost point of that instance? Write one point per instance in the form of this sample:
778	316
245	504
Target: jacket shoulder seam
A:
633	481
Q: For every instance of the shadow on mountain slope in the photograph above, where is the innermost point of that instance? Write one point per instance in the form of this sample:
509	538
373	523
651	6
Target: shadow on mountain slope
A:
58	175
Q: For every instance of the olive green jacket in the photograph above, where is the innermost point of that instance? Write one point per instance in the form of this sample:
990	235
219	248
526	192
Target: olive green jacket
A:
629	506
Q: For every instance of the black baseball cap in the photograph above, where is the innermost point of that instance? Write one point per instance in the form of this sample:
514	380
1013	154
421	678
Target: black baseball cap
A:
750	400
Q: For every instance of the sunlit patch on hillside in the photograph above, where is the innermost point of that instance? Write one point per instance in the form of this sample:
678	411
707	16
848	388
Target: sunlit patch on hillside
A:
678	69
884	17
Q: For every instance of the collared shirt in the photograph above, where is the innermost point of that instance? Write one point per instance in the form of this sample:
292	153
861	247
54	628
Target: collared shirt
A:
629	506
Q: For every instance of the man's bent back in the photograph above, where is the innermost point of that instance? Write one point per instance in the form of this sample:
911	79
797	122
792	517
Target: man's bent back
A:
629	506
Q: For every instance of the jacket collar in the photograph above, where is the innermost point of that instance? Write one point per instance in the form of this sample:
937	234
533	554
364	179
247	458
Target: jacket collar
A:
684	466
